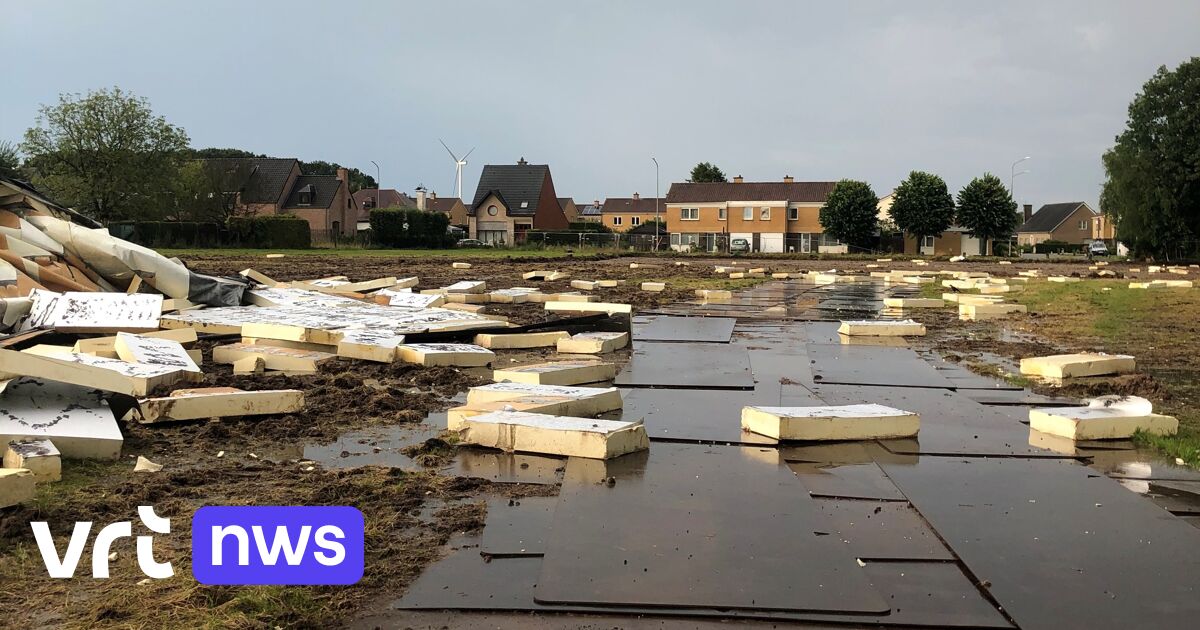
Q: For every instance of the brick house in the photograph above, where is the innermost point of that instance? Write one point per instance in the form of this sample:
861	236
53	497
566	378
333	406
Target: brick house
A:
1070	222
369	198
779	216
271	186
621	214
512	199
570	210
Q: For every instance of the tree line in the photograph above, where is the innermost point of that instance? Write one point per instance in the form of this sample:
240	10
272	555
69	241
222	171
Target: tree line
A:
108	155
1151	190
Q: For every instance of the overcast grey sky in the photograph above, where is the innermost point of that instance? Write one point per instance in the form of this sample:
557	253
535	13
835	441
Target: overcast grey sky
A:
819	91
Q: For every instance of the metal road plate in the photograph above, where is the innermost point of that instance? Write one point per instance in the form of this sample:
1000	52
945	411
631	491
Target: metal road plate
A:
687	366
699	415
1059	543
872	365
951	423
693	329
847	481
693	526
882	530
517	527
920	594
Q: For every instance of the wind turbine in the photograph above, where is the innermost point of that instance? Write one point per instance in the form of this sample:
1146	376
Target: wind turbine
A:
458	167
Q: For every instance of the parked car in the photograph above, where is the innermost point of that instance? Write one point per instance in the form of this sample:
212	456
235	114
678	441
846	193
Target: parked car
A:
470	242
1097	248
739	246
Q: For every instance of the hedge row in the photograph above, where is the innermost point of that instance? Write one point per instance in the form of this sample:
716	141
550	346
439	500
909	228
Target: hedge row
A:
409	227
168	233
277	231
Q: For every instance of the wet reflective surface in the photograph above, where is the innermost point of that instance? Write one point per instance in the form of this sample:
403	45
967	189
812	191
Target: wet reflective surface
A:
683	329
684	539
687	365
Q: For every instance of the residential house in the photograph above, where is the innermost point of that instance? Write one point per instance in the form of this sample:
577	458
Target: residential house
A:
512	199
591	213
621	214
570	210
270	186
779	216
370	198
452	207
955	241
1070	222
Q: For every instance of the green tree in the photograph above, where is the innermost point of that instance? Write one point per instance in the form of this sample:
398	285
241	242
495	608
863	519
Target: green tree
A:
1152	185
850	213
105	154
922	206
10	160
987	210
358	179
706	172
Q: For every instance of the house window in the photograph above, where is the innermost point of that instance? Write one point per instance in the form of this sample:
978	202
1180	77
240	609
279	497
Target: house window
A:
689	214
747	213
927	241
616	220
636	220
720	214
492	211
764	214
793	214
1083	224
305	196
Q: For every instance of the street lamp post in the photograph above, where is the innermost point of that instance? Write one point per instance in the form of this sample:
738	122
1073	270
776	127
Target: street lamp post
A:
657	224
1012	176
1012	181
378	182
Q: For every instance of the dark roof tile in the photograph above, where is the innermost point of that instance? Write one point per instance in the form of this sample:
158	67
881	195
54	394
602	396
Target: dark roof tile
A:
629	204
1050	216
324	188
715	192
520	185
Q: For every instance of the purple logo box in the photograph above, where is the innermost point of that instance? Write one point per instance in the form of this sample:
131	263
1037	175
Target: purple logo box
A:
277	545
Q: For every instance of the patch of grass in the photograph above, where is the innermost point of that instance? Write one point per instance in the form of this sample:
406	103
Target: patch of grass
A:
1185	446
1156	326
78	474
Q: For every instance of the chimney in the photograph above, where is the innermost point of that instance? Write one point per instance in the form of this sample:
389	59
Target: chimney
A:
636	196
420	197
596	203
522	162
787	179
432	196
1028	211
737	179
343	175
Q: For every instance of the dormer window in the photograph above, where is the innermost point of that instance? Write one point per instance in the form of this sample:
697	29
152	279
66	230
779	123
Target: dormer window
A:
305	196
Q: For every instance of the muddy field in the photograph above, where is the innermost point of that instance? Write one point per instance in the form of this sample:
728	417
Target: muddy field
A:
410	515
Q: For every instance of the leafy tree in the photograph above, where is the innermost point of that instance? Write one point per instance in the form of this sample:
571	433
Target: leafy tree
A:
987	210
358	179
206	190
10	160
850	213
707	172
1152	188
922	206
214	152
106	154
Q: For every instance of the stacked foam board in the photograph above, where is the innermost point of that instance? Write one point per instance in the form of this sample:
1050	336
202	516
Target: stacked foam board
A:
882	328
1075	365
844	422
446	354
1109	417
554	435
593	343
558	373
